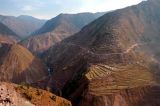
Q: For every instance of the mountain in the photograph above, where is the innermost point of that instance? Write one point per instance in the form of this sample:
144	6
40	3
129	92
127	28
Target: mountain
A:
19	66
21	95
7	35
23	25
76	21
56	29
112	61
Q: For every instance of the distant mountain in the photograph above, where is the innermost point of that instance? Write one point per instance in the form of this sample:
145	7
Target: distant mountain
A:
7	35
57	29
75	21
23	25
111	61
19	66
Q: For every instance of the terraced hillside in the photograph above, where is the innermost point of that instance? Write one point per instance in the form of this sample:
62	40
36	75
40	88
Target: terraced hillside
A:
130	85
18	65
113	80
110	62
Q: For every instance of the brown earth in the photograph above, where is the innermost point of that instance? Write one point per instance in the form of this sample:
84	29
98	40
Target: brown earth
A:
110	62
18	65
21	95
56	29
22	25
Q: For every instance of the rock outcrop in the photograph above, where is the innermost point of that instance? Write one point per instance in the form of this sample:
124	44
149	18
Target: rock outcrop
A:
20	95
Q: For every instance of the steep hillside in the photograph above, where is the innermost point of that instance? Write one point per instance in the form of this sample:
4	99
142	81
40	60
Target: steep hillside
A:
23	26
56	29
20	95
18	65
6	35
111	61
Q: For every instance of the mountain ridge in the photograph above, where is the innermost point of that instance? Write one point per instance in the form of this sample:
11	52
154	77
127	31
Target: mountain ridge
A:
23	25
110	58
56	29
18	65
7	35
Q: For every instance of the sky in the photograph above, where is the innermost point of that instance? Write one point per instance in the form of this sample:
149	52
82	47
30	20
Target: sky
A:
46	9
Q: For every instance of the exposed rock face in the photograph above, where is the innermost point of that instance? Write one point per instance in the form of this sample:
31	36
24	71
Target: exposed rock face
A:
23	26
18	95
18	65
9	96
57	29
110	60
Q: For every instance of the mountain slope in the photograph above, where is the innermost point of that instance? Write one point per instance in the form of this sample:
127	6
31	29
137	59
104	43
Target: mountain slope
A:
57	29
110	62
23	26
76	20
18	65
20	95
6	35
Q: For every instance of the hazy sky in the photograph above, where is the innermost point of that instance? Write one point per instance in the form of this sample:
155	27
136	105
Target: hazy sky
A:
46	9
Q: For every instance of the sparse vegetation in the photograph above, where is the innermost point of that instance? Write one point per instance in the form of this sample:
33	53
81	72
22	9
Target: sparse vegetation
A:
64	104
40	97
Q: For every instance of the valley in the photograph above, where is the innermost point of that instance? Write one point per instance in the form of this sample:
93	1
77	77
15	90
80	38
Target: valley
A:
82	59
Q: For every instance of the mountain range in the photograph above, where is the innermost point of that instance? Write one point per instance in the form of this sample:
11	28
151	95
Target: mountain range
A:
112	61
90	59
22	25
19	66
56	29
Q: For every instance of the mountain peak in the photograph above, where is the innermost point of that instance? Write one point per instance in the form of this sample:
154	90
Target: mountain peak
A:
26	16
29	17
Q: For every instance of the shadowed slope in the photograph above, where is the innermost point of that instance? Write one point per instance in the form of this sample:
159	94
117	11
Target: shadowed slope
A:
6	35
